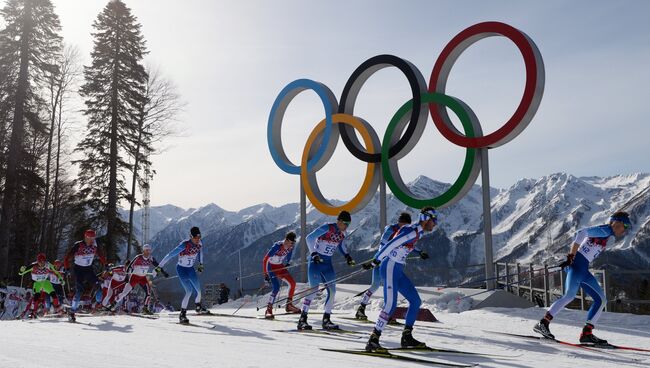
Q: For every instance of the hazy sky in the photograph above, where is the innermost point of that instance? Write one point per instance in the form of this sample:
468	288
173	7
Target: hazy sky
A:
231	58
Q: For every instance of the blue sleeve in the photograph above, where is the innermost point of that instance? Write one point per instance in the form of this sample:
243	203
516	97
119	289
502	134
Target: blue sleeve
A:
201	253
314	235
416	250
603	231
173	253
273	250
385	237
396	242
343	248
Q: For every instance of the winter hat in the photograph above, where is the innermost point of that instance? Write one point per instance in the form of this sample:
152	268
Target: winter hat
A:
428	213
40	257
90	233
291	236
404	217
195	231
147	246
344	216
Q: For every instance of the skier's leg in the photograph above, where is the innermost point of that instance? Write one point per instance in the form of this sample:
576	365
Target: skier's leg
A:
376	283
313	276
407	289
590	286
183	277
275	284
390	272
573	279
196	284
329	275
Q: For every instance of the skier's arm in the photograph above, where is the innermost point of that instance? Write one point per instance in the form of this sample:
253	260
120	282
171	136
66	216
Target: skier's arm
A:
343	248
385	236
69	255
173	253
288	259
314	235
201	254
25	271
396	242
265	262
54	271
101	255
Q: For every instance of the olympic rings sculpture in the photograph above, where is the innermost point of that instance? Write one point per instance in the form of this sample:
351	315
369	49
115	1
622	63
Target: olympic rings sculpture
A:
407	125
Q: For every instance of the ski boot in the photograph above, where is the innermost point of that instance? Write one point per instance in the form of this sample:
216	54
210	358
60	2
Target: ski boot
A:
373	342
587	336
302	322
269	312
146	311
32	315
182	318
393	322
200	309
327	323
408	341
361	313
71	317
290	308
542	327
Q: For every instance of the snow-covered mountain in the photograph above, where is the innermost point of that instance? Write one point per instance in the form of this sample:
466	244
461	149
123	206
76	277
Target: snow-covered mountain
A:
533	221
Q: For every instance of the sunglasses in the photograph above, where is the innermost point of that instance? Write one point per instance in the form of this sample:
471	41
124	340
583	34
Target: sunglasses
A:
197	236
347	223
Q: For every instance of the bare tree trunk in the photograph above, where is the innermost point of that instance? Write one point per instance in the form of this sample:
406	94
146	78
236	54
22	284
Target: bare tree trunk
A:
133	183
54	101
12	183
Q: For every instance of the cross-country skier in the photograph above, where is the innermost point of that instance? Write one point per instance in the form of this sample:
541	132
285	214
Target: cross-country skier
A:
83	253
391	260
322	244
389	232
187	252
275	264
57	283
587	245
138	270
115	281
40	272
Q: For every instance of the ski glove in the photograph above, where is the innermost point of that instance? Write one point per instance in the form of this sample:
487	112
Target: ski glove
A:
568	261
424	255
200	267
315	257
267	278
349	260
22	269
160	270
372	264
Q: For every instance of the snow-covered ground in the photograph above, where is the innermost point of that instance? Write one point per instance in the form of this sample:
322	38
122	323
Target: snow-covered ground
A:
127	341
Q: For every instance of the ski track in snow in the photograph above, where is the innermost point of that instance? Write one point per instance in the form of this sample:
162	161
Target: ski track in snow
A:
126	341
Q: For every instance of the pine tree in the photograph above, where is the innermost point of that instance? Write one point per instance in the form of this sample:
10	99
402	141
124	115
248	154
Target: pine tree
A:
114	93
28	43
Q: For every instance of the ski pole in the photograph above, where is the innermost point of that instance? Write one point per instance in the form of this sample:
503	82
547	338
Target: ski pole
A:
261	273
316	289
246	301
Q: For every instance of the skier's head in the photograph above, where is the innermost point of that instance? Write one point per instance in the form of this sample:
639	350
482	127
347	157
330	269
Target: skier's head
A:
343	220
146	250
289	239
89	236
404	219
195	234
428	218
41	259
57	264
620	222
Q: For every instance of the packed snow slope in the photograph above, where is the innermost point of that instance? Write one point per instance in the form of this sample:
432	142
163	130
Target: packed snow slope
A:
218	341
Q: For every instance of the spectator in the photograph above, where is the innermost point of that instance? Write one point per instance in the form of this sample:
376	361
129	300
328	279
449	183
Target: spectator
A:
224	292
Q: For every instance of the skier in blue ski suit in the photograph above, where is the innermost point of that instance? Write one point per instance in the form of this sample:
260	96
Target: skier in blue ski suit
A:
391	260
587	245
